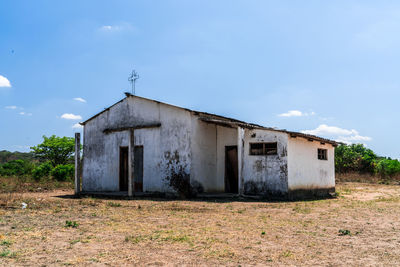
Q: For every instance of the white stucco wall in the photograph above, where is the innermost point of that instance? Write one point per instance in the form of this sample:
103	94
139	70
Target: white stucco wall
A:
267	172
101	155
305	170
225	137
208	154
204	148
165	146
198	148
152	155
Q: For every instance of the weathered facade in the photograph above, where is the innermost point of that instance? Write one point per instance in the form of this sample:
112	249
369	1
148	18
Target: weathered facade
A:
137	144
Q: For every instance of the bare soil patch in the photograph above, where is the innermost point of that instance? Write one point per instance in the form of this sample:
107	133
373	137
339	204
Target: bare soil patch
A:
54	231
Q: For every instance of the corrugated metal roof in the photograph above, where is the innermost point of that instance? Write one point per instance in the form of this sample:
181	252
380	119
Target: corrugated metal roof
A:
228	122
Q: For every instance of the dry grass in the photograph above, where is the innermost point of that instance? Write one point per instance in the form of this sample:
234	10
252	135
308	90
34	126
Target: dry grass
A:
27	184
159	232
366	178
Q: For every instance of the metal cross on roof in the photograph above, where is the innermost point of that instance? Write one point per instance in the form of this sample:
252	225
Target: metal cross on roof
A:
132	79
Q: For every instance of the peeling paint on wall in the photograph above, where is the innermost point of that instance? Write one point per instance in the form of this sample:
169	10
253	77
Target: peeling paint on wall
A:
266	172
193	148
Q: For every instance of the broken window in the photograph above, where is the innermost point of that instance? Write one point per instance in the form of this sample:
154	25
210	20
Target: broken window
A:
322	154
263	148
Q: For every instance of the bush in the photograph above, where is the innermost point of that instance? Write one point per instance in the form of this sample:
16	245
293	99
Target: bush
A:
16	168
387	168
42	170
354	158
63	172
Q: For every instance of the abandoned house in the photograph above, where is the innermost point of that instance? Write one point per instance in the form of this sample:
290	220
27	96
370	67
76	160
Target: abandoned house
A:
141	145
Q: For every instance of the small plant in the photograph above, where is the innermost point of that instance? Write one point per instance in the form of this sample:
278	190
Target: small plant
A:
287	254
72	242
344	232
113	204
263	233
7	253
134	239
6	243
72	224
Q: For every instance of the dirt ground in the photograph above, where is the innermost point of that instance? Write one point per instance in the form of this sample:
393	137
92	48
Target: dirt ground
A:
360	227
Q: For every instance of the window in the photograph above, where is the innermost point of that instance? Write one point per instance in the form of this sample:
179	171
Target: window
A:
322	154
263	149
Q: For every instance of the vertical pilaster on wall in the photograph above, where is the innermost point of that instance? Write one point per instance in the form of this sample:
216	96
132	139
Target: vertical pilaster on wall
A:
130	161
77	163
240	145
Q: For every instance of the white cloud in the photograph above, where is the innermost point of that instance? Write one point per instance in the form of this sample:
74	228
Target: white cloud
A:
339	134
4	82
296	113
25	113
10	107
70	116
324	129
291	113
353	139
106	28
77	126
116	28
80	99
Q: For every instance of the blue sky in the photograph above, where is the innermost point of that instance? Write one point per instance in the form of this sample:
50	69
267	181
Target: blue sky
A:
328	68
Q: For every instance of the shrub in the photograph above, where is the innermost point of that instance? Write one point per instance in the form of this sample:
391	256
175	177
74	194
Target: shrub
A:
63	172
42	170
354	158
388	168
16	168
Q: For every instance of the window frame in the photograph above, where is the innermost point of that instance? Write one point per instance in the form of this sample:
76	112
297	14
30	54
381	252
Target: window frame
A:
264	148
322	154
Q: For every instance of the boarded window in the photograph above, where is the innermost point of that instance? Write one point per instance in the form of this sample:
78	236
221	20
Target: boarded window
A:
322	154
263	148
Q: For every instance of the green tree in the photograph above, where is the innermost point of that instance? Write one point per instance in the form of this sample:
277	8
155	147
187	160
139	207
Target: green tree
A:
355	157
57	150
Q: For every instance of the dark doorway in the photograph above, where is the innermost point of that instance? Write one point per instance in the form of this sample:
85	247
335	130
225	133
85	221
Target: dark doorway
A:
231	170
138	169
123	169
